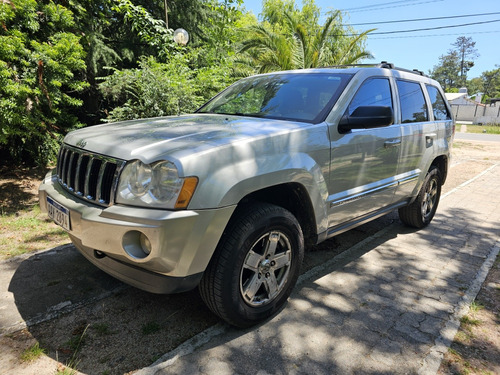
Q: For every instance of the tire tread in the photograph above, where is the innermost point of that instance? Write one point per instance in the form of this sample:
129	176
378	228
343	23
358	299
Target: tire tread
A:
211	286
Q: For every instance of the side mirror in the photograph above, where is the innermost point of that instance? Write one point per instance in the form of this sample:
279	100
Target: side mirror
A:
366	117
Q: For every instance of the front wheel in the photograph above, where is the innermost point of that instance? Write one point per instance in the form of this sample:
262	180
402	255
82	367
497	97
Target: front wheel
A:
255	266
420	213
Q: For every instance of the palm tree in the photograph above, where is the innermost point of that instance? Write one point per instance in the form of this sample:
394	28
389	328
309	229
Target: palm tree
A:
293	43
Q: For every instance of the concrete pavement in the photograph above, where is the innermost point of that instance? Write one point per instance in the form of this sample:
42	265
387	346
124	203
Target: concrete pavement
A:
391	304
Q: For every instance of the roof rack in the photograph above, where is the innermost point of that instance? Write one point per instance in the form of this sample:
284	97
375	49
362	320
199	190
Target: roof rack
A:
383	64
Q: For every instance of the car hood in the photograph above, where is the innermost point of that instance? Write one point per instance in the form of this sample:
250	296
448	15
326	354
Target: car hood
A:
176	137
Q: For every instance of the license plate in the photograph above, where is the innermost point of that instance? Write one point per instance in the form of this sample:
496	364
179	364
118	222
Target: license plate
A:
58	213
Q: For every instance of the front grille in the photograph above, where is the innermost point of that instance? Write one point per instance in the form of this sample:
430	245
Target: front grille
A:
92	177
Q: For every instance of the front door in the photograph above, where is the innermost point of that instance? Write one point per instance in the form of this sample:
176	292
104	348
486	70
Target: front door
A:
364	162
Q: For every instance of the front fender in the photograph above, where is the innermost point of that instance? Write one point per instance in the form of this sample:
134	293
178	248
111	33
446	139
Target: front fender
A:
230	184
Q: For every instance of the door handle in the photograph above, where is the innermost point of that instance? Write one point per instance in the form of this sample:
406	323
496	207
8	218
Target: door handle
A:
392	143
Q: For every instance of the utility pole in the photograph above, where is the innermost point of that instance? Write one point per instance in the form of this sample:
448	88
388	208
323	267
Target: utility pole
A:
166	13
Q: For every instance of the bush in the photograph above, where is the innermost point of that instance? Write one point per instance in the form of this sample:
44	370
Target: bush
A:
40	60
162	89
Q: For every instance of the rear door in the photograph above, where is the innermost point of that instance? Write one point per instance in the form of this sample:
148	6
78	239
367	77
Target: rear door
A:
418	134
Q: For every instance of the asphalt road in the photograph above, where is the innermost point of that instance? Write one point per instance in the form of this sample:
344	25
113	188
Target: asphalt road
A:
478	137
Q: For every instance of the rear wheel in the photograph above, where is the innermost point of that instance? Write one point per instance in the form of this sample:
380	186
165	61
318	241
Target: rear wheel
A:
255	266
420	213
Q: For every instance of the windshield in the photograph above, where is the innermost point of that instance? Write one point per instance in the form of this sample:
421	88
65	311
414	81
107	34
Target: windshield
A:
305	97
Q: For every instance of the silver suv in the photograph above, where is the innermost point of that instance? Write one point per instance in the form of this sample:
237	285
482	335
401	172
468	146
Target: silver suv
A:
228	197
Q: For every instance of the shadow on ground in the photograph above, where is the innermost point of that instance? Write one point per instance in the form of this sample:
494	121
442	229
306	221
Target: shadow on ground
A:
397	308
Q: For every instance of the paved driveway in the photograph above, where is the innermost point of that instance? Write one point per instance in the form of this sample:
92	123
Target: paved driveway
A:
391	304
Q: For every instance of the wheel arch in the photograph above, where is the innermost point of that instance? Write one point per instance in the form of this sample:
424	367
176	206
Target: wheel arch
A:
441	163
293	197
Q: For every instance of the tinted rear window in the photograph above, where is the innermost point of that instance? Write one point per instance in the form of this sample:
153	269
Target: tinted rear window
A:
438	105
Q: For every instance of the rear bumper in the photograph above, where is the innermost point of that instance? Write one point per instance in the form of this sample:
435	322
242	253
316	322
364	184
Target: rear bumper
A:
182	242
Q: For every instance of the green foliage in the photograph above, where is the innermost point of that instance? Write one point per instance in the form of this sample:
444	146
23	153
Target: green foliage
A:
491	83
465	49
484	129
161	89
220	30
52	54
150	30
289	38
474	86
451	72
447	71
32	353
40	64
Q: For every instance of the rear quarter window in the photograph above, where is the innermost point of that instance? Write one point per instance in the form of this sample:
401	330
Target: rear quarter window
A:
439	108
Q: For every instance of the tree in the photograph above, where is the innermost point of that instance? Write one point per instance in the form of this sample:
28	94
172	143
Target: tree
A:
151	31
41	70
491	83
465	50
220	30
289	38
452	69
173	79
488	84
447	71
474	86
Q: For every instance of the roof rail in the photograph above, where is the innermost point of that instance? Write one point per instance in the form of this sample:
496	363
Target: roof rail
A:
382	64
385	64
353	66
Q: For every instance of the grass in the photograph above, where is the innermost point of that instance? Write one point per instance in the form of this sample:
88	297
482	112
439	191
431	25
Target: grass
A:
475	307
23	226
62	370
150	328
102	329
468	321
490	129
32	353
28	230
75	343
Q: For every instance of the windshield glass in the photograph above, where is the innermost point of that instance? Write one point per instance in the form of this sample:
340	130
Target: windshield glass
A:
290	96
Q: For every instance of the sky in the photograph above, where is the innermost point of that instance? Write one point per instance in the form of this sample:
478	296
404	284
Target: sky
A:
419	49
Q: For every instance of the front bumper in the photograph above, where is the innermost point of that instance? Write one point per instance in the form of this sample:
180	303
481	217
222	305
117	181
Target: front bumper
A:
182	242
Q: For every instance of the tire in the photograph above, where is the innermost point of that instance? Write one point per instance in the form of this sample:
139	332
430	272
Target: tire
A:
420	213
255	265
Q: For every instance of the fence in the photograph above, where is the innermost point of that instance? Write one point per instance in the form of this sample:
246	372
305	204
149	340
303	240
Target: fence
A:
477	114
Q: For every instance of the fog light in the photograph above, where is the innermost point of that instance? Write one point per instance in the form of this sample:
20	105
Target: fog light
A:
145	244
136	244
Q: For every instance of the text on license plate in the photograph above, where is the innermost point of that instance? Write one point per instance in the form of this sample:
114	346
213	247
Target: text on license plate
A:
58	213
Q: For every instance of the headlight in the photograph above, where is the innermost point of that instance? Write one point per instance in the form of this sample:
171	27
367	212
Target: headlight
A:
166	182
139	176
154	185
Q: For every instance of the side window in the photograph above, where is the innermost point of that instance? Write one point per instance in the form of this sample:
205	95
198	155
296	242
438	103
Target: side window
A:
373	92
413	107
438	105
